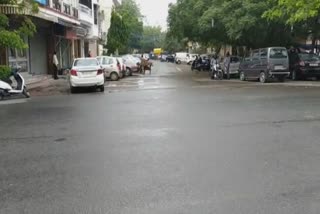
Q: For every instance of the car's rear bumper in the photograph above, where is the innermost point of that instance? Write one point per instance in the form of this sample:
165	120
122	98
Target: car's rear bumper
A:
279	72
310	71
86	82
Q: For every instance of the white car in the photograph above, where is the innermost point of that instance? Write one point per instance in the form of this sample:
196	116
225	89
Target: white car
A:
112	67
86	72
181	57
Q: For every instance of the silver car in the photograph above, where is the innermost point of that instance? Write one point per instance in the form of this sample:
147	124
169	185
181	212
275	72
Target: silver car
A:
233	67
131	64
111	66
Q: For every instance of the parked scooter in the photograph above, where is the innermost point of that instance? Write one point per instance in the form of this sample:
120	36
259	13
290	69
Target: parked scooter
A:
6	89
216	71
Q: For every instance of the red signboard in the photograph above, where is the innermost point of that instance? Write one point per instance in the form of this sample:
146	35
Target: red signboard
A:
71	34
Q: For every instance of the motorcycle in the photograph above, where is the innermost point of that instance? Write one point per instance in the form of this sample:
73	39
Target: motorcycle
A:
216	71
6	89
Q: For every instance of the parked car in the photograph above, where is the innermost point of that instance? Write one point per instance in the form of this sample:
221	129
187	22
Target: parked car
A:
111	66
131	64
181	57
265	64
170	58
233	68
304	65
86	72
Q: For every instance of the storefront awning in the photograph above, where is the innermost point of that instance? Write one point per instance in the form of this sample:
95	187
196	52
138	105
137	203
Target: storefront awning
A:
56	17
45	16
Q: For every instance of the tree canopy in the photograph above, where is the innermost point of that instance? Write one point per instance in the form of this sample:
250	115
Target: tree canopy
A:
251	23
13	37
293	11
126	28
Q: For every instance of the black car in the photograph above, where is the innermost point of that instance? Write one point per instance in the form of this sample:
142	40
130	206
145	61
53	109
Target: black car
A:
170	58
304	65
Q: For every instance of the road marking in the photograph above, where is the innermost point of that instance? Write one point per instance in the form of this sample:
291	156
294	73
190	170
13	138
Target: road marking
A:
179	69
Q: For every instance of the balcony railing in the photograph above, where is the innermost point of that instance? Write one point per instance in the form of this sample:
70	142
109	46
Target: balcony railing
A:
86	10
56	5
75	12
13	9
67	9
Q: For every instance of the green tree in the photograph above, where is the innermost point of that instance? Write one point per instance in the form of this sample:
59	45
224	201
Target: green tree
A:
152	38
126	28
173	45
118	33
13	37
235	22
302	15
293	11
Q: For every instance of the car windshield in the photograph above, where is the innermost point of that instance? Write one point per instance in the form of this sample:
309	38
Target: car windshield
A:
278	53
309	57
86	62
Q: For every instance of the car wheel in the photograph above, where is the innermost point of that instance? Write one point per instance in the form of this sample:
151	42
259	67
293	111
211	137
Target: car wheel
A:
242	76
72	90
114	76
263	77
128	72
101	88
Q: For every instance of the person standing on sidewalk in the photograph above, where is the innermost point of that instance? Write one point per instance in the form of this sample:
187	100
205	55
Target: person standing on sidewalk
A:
227	65
55	66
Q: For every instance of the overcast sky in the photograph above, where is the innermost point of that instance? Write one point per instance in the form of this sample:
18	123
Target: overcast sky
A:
155	11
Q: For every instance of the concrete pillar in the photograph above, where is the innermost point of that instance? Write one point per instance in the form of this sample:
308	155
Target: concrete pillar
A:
82	47
72	50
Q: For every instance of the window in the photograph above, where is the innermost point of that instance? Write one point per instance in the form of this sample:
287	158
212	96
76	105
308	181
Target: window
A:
86	62
234	59
255	55
87	3
105	61
278	53
309	57
95	14
263	53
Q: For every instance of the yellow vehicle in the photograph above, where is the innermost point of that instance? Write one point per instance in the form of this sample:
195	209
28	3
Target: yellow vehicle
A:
157	51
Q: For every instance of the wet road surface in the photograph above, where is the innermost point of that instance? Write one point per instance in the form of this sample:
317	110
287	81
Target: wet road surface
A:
169	142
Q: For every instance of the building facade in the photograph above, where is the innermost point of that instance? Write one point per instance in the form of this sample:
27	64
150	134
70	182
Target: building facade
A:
71	28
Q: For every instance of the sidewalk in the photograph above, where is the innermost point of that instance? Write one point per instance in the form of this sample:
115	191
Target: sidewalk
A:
45	85
203	78
32	79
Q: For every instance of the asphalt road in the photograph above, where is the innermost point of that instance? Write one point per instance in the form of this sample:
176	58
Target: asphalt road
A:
169	142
